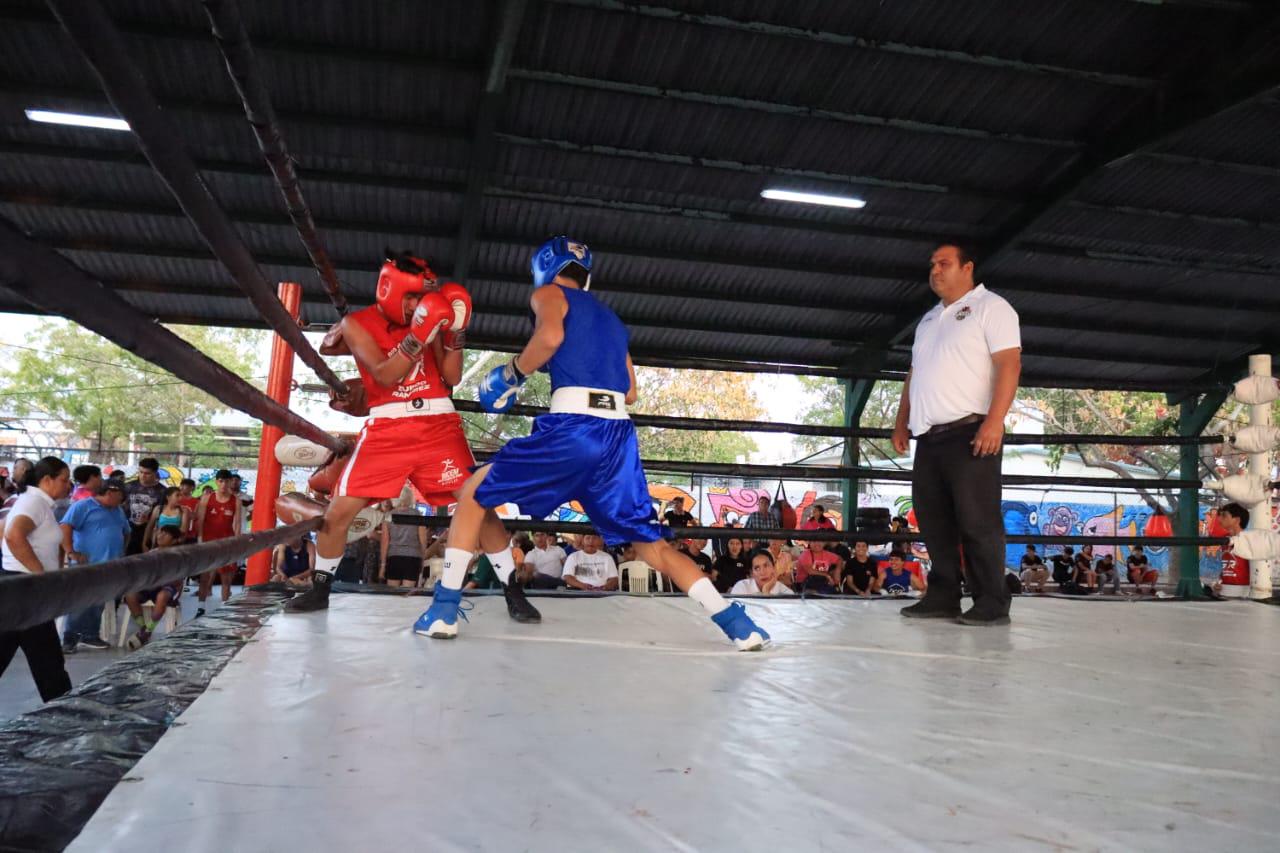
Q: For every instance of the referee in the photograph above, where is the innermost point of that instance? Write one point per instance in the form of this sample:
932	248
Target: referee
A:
965	364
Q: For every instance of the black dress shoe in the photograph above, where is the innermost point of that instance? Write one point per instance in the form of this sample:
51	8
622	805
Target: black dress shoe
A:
518	607
316	598
973	616
926	609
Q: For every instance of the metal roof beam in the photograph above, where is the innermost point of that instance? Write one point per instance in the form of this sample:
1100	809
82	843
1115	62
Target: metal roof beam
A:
556	78
845	40
483	142
896	275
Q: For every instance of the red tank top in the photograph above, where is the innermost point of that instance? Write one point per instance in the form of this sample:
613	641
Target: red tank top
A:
421	383
219	518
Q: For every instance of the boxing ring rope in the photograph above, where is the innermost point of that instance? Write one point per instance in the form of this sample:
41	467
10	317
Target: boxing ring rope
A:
98	39
53	284
232	39
816	472
726	425
29	599
519	525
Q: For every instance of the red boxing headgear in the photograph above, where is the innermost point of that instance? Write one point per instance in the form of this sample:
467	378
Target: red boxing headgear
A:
402	275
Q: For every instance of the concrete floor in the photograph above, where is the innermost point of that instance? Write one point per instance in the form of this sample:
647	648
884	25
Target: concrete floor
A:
18	692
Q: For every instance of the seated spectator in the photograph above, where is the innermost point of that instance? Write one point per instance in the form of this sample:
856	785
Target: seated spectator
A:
782	560
93	531
161	597
719	544
695	550
730	567
1140	570
764	578
1063	567
818	569
1105	573
629	566
547	560
861	573
818	519
1083	580
292	563
761	518
521	545
896	578
482	575
1034	573
590	568
676	516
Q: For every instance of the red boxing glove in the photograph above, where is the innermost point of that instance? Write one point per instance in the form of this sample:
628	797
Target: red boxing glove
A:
460	301
433	315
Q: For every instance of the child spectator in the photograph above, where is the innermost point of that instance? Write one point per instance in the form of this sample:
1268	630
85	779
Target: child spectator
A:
161	597
764	578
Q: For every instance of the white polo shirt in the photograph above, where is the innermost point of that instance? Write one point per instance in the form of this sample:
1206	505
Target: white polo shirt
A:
45	539
952	375
546	561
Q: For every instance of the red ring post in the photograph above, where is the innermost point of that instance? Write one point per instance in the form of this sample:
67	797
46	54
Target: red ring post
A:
267	487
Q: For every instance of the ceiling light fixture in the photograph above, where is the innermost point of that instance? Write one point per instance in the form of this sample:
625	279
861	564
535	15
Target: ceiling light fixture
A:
814	198
77	120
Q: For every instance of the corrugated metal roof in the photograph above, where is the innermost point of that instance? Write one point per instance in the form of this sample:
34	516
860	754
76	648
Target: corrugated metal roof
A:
649	131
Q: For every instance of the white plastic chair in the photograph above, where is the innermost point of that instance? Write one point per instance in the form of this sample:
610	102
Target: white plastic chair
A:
639	574
120	616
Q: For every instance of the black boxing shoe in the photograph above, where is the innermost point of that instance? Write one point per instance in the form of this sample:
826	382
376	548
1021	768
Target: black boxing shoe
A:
518	607
979	617
934	608
316	598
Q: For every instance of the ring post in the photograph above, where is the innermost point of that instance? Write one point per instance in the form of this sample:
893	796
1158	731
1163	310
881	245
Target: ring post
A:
267	486
1260	463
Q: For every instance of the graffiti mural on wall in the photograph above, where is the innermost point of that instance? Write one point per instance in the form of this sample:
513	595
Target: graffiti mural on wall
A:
1054	518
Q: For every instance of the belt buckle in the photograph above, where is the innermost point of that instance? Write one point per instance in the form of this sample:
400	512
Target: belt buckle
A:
596	400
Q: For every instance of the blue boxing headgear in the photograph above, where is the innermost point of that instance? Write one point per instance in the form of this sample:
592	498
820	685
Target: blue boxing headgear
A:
556	254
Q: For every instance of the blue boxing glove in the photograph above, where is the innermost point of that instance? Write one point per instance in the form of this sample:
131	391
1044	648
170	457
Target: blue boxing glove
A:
500	386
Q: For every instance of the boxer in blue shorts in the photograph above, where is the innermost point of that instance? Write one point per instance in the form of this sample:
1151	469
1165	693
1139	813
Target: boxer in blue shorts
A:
585	449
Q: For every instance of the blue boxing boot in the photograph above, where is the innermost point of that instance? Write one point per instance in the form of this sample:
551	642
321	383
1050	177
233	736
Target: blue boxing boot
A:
440	622
737	626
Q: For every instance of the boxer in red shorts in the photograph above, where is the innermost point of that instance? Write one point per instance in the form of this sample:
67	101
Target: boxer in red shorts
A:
408	348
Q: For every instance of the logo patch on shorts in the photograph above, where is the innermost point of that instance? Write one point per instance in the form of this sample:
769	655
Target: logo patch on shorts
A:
602	401
417	403
449	472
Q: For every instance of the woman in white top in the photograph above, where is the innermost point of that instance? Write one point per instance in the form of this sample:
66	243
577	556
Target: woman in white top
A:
763	580
31	545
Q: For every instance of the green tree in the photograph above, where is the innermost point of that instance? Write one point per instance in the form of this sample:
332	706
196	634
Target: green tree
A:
827	409
105	393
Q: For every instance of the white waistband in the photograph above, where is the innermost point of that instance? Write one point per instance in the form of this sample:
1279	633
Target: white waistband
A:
576	400
413	408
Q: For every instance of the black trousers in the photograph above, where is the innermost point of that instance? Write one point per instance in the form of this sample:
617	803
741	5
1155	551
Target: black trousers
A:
956	496
44	655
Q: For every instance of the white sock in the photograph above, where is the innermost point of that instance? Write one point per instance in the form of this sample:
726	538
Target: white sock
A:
704	592
504	565
456	562
328	565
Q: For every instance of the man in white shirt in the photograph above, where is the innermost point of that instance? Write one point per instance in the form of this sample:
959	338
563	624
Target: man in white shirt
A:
590	568
965	365
546	558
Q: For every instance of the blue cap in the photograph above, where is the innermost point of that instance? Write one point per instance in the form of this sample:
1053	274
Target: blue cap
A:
556	254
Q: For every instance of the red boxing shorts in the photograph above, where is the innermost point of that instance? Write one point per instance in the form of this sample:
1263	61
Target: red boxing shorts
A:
429	451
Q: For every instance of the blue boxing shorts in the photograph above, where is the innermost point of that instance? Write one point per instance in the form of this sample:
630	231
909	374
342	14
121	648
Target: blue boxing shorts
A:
595	461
